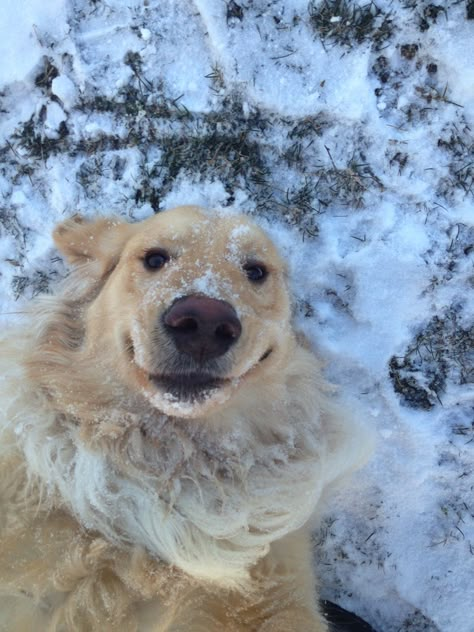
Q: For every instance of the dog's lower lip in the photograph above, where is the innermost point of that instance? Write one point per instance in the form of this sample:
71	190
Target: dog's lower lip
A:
191	387
193	381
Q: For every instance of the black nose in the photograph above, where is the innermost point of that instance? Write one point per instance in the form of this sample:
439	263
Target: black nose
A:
202	327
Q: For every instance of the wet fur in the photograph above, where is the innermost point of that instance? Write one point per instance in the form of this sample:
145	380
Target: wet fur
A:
122	509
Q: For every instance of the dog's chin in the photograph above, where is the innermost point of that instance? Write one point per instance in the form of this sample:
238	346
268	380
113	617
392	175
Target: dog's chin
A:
188	396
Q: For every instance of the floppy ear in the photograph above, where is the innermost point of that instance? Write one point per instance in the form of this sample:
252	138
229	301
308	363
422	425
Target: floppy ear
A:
98	242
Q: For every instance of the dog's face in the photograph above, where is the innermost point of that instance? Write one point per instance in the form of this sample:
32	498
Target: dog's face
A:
192	305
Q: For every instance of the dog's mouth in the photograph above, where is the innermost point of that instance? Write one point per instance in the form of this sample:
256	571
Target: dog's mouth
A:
189	387
195	387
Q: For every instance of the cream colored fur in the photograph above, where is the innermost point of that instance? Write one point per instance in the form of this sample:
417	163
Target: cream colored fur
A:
124	509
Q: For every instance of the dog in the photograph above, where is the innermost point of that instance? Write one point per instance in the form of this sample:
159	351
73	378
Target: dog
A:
165	436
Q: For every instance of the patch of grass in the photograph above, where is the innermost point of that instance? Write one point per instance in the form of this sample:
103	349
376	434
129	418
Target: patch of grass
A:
309	126
232	144
427	13
346	184
216	76
299	207
44	79
337	551
417	622
89	173
134	60
443	350
457	141
10	224
455	513
38	283
304	307
132	102
470	9
345	22
430	14
234	12
38	146
399	158
461	246
132	107
149	189
430	94
214	154
220	145
328	183
412	66
294	153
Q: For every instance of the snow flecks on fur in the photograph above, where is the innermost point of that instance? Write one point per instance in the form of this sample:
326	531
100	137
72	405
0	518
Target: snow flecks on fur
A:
209	283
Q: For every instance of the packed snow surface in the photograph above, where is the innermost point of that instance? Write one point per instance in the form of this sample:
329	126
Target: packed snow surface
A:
346	129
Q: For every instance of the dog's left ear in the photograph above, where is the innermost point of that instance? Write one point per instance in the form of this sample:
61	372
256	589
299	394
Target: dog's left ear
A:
98	242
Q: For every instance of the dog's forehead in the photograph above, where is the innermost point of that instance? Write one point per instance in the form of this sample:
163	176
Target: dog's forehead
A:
191	227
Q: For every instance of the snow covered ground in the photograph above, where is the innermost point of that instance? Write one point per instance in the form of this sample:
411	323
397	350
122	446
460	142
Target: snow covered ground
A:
346	127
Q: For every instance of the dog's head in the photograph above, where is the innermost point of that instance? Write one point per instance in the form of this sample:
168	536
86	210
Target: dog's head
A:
190	305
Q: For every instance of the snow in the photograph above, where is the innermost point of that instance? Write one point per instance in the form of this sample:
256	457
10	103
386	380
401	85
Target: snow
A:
366	187
23	27
54	117
65	90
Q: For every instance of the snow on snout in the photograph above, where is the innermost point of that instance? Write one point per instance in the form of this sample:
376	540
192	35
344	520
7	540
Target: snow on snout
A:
213	284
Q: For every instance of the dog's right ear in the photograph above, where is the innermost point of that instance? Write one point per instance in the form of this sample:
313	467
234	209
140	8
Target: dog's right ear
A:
98	242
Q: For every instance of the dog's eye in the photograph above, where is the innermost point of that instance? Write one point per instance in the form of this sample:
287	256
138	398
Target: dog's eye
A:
155	259
256	272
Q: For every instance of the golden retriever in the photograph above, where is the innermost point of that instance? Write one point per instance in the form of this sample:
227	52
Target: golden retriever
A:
165	437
